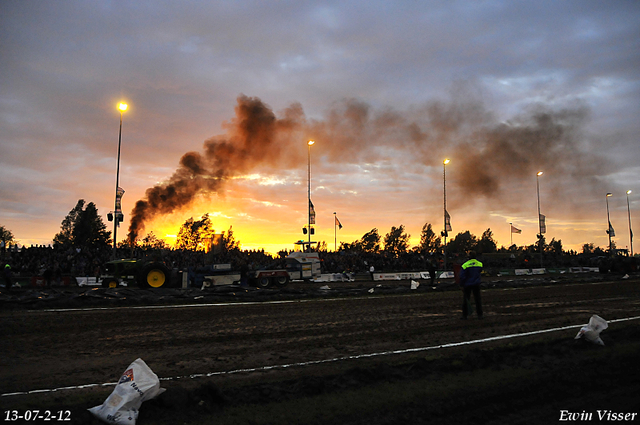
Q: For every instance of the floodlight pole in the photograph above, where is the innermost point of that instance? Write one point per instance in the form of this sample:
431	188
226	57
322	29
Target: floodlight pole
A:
609	223
116	217
309	143
444	191
630	232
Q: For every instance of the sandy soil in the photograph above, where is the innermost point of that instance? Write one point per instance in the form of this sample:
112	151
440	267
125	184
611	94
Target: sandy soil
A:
78	336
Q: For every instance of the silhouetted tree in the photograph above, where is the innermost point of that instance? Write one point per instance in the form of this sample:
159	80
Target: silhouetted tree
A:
370	241
230	243
429	241
462	243
487	244
396	242
83	228
151	241
588	248
6	236
193	235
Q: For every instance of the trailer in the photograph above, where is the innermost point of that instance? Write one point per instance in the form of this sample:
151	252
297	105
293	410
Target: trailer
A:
300	266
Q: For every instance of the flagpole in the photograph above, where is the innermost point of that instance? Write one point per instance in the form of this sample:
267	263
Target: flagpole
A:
335	239
608	222
309	143
539	222
511	233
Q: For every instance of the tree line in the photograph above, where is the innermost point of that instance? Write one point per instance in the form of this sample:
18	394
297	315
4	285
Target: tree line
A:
83	228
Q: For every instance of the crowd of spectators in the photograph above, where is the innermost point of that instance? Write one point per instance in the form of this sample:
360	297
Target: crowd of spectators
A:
48	261
54	262
57	261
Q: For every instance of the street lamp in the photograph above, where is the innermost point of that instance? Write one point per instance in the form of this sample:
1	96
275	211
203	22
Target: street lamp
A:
630	232
118	208
610	230
539	215
309	143
447	219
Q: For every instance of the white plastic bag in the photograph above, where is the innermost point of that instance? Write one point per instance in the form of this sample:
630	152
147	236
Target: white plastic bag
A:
591	332
137	384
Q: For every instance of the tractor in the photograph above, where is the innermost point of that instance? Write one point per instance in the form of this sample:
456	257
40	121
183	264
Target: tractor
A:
144	273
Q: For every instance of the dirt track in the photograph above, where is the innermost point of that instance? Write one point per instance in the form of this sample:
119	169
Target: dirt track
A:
51	349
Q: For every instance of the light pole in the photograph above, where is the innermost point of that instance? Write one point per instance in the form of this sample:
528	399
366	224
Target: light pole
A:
539	215
630	232
610	228
447	220
117	210
309	143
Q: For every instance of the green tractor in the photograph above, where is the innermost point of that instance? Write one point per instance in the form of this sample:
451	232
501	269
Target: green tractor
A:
144	273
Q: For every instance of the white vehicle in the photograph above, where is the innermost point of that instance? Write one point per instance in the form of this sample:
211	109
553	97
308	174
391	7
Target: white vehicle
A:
303	265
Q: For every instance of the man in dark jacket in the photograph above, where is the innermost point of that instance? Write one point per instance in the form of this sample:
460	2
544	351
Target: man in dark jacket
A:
470	282
7	276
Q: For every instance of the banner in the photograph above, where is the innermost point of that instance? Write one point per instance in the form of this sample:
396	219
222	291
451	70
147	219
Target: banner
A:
119	193
447	221
118	217
543	226
611	232
312	213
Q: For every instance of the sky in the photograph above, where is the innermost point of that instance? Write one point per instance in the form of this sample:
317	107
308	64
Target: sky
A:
223	97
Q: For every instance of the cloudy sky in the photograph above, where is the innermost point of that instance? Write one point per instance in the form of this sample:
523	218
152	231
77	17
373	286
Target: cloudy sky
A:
223	97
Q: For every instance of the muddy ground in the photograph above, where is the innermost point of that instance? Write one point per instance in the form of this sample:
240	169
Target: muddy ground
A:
238	355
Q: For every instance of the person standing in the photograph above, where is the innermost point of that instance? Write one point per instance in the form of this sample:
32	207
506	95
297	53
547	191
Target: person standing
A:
7	277
431	268
470	282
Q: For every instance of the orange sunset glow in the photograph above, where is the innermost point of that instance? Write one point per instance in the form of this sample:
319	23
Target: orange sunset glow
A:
216	118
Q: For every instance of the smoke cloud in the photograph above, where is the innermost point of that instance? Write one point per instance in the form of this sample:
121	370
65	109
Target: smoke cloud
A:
494	157
254	137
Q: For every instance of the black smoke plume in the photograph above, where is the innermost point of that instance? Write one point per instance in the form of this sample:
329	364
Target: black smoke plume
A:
493	157
255	136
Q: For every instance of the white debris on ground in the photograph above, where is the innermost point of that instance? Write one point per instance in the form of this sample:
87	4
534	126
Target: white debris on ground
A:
137	384
591	332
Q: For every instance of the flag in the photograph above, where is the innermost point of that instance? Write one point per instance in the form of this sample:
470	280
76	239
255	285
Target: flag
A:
338	223
543	226
515	230
447	221
118	217
119	193
312	213
611	232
